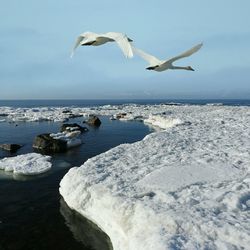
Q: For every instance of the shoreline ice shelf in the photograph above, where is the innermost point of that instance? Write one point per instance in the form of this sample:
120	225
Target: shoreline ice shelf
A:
185	187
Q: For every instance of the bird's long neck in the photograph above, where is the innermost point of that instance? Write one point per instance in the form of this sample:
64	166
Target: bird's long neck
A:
177	67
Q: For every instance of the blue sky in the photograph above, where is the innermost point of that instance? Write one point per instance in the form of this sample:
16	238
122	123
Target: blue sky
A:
37	37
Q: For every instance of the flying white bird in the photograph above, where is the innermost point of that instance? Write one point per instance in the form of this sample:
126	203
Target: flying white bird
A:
160	65
93	39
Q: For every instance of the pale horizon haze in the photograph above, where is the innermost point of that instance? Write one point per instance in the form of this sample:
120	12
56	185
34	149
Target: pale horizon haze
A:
37	38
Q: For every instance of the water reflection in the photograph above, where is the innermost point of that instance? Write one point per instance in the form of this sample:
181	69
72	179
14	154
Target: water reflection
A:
9	175
84	230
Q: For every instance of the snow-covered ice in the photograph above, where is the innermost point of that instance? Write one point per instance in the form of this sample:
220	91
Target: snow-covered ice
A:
72	138
162	121
39	114
26	164
185	187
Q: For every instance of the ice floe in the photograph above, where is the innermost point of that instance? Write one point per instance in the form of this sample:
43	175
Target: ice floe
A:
26	164
185	187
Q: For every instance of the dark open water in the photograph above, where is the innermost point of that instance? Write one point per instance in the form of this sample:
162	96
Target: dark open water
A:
33	216
84	103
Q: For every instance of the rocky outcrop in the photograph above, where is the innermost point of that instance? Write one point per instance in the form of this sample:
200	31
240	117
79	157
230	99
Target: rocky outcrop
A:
66	111
10	147
120	115
71	116
46	143
94	121
73	127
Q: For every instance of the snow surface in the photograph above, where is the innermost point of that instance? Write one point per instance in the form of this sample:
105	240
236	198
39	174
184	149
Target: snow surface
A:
70	137
26	164
186	187
162	121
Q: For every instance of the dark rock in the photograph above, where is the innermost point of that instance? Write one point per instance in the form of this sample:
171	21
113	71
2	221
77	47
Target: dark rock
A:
66	111
94	121
121	115
75	116
10	147
73	125
167	113
46	143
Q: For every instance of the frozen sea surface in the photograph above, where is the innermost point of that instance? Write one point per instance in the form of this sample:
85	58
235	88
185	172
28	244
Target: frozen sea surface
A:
184	187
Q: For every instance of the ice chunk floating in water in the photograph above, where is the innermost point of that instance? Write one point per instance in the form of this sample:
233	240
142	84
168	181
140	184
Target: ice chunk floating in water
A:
186	187
27	164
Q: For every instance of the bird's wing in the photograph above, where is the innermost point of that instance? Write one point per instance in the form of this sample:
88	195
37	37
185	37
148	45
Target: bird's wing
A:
84	36
77	43
149	58
185	54
122	41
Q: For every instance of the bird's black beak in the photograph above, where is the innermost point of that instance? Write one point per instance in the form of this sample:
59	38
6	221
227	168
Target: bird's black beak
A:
150	68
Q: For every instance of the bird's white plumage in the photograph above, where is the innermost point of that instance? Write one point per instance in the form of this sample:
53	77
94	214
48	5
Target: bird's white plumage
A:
186	53
77	43
122	41
147	57
161	65
90	38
